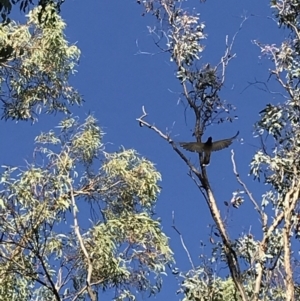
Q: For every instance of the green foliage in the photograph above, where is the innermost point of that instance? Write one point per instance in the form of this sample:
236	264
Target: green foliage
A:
281	120
24	5
137	179
42	256
202	285
79	220
35	64
258	269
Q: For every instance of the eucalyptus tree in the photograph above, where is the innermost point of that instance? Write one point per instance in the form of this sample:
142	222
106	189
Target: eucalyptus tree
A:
36	62
258	269
77	220
6	7
52	249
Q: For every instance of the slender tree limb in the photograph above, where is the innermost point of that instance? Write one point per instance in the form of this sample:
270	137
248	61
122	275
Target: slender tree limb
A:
182	241
88	287
263	216
142	122
290	202
49	278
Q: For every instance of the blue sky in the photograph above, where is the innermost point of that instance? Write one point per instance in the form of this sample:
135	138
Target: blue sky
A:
116	82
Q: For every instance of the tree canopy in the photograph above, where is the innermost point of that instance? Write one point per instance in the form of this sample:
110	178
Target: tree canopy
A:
50	251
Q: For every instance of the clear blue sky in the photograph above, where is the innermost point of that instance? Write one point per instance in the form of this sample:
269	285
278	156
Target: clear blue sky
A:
116	83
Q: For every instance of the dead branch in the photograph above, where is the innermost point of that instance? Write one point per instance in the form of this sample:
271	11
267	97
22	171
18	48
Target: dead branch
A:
182	241
263	216
142	122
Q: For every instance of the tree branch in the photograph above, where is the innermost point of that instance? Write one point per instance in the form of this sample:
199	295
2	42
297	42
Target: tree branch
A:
263	216
142	122
182	241
88	287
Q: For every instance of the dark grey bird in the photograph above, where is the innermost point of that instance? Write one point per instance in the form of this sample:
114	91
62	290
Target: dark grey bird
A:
207	147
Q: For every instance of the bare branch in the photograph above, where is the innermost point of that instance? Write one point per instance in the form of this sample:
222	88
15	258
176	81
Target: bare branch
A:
182	241
228	56
91	293
142	122
263	216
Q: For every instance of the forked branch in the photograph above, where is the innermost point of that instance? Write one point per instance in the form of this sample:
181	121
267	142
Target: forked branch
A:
228	248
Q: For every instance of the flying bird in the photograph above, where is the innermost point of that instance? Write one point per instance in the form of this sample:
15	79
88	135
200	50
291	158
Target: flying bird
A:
207	147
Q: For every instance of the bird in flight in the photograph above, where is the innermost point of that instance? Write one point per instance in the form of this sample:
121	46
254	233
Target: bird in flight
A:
207	147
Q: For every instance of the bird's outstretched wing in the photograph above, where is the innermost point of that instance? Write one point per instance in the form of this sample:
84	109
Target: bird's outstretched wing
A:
220	144
193	146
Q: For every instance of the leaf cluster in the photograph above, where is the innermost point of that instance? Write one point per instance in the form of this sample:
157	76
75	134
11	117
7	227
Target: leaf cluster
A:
35	64
42	204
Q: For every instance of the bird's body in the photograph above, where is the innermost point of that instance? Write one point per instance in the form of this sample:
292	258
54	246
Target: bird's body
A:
207	147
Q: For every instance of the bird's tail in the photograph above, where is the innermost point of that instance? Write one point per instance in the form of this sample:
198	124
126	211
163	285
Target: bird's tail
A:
206	158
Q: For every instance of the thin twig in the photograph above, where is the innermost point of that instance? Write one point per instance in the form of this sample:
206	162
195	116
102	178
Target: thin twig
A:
256	206
182	241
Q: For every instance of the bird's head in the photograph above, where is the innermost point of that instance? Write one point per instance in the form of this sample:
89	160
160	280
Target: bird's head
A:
209	140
